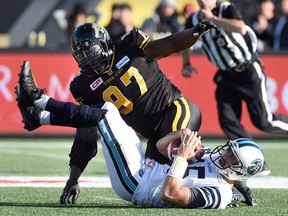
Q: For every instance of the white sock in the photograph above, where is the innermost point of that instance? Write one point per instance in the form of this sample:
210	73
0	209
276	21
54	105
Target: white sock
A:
41	103
44	117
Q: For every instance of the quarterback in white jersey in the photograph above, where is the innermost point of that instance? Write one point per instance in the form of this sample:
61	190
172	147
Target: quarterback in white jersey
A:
215	192
142	181
203	184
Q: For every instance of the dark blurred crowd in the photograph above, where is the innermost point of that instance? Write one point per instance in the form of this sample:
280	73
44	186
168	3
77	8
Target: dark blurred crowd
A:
269	21
270	27
268	18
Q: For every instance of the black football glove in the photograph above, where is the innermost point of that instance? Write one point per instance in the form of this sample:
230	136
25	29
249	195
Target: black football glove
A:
188	70
248	195
70	193
203	27
237	198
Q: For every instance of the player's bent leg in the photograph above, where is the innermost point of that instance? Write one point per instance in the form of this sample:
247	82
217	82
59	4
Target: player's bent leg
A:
84	147
122	151
72	115
259	110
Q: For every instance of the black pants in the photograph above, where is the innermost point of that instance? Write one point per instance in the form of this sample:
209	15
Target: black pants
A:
182	113
249	86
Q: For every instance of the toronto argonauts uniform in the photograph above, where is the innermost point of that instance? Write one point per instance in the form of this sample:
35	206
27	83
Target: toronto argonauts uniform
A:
201	175
140	181
146	99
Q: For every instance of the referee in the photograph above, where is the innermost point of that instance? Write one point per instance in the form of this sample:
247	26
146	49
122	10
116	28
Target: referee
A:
240	76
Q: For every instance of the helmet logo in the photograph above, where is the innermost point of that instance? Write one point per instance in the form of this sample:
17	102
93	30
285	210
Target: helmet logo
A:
96	30
255	167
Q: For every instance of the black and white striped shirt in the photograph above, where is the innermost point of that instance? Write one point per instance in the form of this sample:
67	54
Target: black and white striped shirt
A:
226	50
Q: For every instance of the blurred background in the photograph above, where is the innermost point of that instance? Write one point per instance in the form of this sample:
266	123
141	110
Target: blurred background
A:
39	31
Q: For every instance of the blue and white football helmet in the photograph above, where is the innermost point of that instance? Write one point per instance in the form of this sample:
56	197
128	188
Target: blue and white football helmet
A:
248	155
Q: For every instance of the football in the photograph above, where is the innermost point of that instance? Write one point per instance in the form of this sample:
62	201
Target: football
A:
173	147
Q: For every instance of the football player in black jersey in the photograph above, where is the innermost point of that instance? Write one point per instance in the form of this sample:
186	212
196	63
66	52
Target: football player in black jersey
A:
127	74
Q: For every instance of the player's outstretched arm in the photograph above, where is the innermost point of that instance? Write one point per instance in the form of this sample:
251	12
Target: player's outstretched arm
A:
177	42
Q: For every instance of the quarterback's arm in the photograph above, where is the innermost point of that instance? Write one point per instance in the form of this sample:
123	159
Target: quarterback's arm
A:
163	143
172	190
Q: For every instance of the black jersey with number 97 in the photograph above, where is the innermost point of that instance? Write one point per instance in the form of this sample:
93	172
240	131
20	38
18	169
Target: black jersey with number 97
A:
135	85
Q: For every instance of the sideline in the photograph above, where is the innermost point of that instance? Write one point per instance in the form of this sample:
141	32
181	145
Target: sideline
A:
267	182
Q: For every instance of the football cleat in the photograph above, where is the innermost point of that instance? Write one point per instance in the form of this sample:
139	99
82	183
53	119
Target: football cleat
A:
30	116
28	92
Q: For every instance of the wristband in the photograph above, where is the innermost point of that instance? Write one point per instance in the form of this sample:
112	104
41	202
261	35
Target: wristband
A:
178	168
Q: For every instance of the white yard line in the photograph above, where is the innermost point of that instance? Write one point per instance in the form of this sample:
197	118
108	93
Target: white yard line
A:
43	181
271	182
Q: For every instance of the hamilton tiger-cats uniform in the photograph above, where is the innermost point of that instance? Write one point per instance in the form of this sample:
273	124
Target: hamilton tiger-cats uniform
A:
146	99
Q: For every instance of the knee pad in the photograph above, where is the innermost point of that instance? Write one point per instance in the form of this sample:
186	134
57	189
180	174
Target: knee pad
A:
84	147
88	134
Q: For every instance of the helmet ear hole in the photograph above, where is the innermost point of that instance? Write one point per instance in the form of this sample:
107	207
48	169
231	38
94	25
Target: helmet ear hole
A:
91	58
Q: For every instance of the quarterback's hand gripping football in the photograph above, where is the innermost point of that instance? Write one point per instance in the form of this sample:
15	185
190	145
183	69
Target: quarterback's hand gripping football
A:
189	144
70	193
203	27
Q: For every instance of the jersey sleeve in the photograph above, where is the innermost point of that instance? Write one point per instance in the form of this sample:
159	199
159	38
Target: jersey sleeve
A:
139	39
209	197
75	90
231	12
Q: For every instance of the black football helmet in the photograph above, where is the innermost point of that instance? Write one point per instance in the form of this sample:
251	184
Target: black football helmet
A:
91	47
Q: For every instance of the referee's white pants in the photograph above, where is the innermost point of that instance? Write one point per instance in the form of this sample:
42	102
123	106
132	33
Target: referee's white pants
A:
122	152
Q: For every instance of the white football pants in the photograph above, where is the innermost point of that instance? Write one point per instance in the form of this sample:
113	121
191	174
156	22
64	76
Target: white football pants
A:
122	152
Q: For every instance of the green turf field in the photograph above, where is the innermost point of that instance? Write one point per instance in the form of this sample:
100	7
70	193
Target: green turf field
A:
49	158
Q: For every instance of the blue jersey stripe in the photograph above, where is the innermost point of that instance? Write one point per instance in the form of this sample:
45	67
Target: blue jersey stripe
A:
212	196
117	156
206	196
217	197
